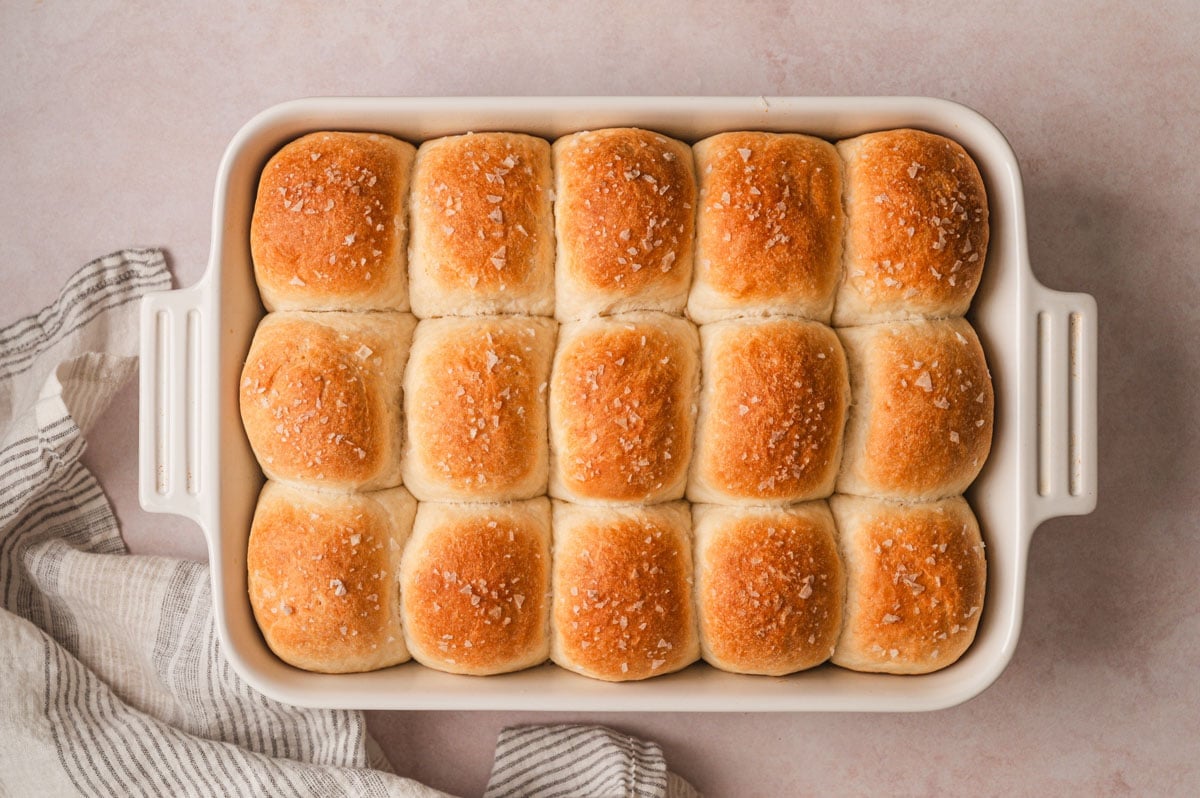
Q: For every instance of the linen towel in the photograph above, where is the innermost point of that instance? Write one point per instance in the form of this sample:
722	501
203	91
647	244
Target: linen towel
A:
112	681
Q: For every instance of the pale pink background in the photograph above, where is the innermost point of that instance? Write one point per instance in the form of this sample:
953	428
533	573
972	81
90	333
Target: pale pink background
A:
113	117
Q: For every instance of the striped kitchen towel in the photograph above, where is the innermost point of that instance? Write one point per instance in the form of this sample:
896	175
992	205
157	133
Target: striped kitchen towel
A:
112	681
565	761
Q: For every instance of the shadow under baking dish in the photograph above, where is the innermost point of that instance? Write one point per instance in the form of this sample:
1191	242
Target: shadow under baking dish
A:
195	460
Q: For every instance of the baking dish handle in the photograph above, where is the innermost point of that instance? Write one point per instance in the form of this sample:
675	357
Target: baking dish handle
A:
169	396
1065	428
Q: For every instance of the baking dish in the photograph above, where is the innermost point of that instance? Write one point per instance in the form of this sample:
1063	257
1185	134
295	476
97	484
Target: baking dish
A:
1041	346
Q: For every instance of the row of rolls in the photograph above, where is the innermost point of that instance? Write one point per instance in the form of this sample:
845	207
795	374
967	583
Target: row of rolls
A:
627	434
362	581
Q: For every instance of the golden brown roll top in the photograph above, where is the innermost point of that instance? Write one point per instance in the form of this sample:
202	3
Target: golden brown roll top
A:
772	409
916	576
475	398
475	586
482	226
769	587
320	398
622	408
624	221
921	424
917	228
622	605
769	227
322	573
329	230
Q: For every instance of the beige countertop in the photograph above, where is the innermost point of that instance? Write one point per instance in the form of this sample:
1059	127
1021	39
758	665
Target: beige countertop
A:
113	117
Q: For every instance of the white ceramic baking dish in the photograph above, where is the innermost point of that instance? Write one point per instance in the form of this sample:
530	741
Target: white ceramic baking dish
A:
1041	346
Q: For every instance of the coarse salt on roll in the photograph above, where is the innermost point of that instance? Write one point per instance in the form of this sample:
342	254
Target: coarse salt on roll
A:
772	408
769	227
329	229
475	586
769	586
622	408
321	398
920	427
322	572
624	221
622	606
482	226
915	583
475	398
917	228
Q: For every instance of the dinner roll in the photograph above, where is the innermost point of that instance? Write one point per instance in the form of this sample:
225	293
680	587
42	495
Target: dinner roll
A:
624	222
475	403
769	227
482	228
329	230
322	574
622	408
772	407
475	586
916	575
622	605
320	398
921	423
769	587
917	228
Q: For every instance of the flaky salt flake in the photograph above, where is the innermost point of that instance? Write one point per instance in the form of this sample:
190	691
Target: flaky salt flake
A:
924	382
745	153
338	588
